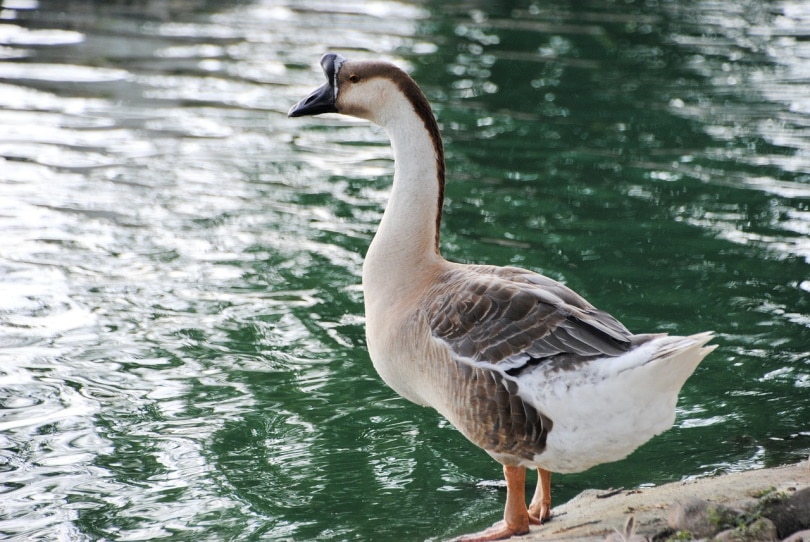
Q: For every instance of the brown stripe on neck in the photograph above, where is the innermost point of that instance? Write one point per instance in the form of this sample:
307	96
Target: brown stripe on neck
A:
423	110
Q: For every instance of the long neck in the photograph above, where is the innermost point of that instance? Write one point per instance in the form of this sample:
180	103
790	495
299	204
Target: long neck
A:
408	235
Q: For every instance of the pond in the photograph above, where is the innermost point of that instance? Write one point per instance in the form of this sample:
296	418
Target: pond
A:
182	349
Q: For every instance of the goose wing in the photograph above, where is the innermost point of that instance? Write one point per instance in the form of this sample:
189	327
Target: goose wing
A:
513	318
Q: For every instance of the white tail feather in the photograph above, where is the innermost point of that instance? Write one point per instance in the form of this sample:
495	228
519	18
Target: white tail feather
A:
605	412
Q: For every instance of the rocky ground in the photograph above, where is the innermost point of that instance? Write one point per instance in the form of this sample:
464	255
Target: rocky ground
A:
766	504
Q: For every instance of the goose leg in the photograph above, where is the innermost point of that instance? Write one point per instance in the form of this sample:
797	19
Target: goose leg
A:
515	515
540	507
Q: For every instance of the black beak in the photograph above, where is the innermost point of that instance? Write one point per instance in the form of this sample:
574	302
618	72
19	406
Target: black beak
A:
322	99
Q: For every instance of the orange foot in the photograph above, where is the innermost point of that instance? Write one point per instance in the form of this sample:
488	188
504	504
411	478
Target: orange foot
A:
540	507
499	531
515	515
539	513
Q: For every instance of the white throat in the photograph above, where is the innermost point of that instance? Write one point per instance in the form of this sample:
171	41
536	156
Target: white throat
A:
406	240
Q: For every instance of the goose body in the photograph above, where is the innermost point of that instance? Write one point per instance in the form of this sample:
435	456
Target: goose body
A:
523	366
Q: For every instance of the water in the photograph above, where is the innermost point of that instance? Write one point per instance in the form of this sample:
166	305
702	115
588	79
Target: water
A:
181	326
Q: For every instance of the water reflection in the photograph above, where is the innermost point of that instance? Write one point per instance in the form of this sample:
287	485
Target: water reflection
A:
181	328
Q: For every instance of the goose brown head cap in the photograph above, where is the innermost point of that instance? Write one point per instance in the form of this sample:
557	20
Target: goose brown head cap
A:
322	99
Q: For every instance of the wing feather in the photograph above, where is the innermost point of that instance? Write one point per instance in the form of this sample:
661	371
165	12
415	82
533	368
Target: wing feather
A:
512	317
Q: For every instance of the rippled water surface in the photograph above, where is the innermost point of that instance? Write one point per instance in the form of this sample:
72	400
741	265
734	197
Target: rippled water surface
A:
181	328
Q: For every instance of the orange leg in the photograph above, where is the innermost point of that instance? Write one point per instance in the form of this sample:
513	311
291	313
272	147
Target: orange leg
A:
515	515
540	507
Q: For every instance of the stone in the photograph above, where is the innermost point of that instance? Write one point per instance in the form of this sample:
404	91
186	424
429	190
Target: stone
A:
701	518
791	514
801	536
761	530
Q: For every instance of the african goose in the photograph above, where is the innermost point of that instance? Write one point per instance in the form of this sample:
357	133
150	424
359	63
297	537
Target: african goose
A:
523	366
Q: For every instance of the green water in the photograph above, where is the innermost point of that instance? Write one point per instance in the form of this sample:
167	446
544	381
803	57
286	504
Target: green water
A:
181	329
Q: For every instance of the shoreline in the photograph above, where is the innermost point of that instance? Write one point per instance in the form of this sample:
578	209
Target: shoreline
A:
597	514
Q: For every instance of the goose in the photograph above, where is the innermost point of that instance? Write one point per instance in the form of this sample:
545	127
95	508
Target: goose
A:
520	364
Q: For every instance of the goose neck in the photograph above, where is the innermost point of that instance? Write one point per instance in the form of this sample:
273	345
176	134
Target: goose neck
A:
413	213
407	239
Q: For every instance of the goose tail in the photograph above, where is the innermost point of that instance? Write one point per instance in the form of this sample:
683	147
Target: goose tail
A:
674	360
626	401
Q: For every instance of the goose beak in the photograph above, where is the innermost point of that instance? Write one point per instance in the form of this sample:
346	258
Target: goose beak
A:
322	99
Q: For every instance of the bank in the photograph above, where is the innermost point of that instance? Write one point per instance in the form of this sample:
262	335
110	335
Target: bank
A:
729	501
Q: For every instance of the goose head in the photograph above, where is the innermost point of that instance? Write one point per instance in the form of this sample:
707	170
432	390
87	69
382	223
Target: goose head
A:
387	96
371	90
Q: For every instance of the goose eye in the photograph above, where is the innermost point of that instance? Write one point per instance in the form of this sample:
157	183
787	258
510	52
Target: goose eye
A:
354	78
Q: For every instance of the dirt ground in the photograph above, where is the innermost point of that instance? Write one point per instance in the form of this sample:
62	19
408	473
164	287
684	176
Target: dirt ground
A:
593	514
